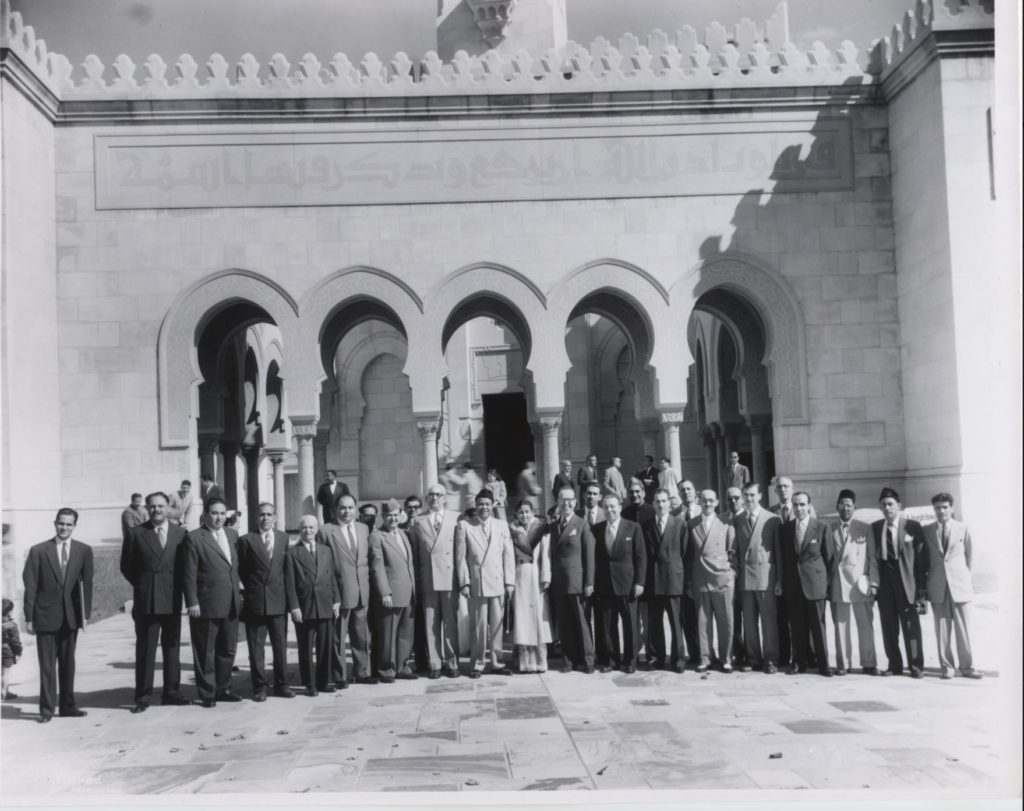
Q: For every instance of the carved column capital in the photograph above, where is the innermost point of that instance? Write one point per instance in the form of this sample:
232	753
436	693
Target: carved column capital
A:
209	445
759	422
321	440
252	453
276	457
305	431
428	428
549	425
672	419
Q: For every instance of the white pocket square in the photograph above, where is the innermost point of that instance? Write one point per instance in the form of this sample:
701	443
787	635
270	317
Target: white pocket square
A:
572	533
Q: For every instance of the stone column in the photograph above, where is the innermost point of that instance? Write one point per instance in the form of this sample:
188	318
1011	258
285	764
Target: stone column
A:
731	432
758	425
277	460
229	450
670	423
304	435
651	431
320	444
549	429
723	462
428	434
710	459
253	455
207	458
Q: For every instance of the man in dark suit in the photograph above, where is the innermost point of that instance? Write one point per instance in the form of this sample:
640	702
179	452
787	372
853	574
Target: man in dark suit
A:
667	540
393	568
348	541
213	601
328	494
572	582
261	567
648	477
639	511
134	515
312	599
902	569
620	571
209	489
58	602
563	479
587	474
805	584
152	561
784	509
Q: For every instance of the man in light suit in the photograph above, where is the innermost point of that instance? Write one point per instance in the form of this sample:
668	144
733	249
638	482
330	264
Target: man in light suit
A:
712	581
393	572
180	508
152	561
311	596
784	509
736	475
948	583
620	572
563	478
214	602
487	575
349	543
756	536
261	557
667	540
572	582
328	494
668	477
433	540
901	584
613	483
805	583
58	603
852	562
591	510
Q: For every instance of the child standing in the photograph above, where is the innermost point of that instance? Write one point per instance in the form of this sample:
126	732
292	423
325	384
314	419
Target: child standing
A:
11	647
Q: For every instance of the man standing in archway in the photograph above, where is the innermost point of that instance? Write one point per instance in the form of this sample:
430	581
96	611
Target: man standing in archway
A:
737	475
328	494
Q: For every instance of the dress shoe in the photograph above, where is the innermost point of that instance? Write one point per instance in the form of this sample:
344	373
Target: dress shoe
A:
228	696
44	719
629	669
946	675
793	671
386	679
870	671
451	672
177	700
433	674
770	669
566	669
259	698
341	685
840	671
502	671
236	669
208	703
972	674
139	708
366	680
655	665
10	696
680	669
475	674
727	668
312	692
75	713
588	670
916	672
827	672
284	691
407	676
745	668
328	688
887	673
605	669
701	668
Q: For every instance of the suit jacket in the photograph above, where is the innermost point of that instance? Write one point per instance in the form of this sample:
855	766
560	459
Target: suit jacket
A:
49	600
614	483
638	513
649	477
392	567
562	481
179	510
853	566
685	514
584	476
214	492
912	554
310	585
131	518
620	562
435	553
759	551
803	568
572	556
712	556
210	579
737	476
486	566
599	515
329	501
351	572
155	572
666	557
262	575
950	568
777	509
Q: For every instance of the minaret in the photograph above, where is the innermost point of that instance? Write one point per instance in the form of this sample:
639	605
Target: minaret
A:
508	26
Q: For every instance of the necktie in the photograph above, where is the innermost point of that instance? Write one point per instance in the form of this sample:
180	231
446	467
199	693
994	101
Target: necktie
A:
486	526
268	541
890	543
844	534
591	518
750	523
437	523
351	540
785	514
63	560
161	533
801	531
222	542
661	527
945	538
310	549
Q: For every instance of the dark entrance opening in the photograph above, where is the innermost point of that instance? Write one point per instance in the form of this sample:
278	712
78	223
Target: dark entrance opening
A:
508	441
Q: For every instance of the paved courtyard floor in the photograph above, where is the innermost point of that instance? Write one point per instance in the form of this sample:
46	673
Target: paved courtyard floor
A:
649	730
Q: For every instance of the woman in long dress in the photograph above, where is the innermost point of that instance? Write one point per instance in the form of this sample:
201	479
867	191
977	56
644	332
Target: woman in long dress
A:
500	491
532	631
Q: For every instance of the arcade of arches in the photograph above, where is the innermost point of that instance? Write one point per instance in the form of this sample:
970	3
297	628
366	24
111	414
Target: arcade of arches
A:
493	363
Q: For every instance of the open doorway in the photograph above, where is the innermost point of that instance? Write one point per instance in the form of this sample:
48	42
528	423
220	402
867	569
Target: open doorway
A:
508	441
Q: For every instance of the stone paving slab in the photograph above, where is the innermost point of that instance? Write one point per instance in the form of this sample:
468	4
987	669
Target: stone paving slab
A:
548	732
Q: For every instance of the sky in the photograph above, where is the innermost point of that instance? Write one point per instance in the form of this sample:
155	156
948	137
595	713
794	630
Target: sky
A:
201	28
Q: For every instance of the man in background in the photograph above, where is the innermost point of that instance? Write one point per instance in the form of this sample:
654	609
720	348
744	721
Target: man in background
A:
134	515
328	494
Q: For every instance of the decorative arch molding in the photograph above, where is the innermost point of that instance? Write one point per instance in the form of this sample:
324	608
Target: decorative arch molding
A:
774	301
350	375
179	375
496	307
490	270
747	331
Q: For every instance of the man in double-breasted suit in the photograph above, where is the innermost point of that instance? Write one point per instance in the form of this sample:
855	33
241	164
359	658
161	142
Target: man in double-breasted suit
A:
311	596
433	540
261	557
563	478
852	563
899	542
214	602
620	572
328	494
349	542
805	584
58	602
152	560
712	581
759	554
948	584
487	575
393	577
667	541
572	582
784	509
